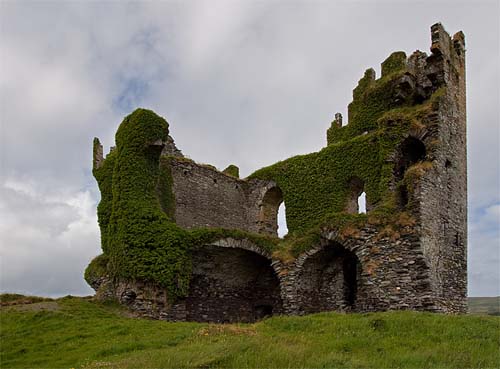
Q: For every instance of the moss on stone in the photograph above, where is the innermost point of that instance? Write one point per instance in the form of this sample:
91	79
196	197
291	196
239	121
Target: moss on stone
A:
394	63
164	190
140	239
316	186
372	98
145	243
97	268
232	170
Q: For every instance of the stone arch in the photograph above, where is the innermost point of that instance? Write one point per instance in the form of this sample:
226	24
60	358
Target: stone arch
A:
232	281
356	186
268	210
327	278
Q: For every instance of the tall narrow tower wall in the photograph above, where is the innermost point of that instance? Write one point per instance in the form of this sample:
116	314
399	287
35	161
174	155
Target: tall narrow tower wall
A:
443	191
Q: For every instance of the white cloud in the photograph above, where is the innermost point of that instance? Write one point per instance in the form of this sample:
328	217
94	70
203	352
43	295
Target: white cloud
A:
493	211
240	82
484	252
46	241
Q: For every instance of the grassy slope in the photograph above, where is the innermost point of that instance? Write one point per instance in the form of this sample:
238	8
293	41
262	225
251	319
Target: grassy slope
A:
84	333
484	305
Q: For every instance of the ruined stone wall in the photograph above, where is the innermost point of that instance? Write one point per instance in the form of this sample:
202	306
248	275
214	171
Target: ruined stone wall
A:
390	274
442	193
407	136
207	198
234	280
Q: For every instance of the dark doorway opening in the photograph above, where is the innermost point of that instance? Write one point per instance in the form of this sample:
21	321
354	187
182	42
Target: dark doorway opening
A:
232	285
263	311
411	151
330	280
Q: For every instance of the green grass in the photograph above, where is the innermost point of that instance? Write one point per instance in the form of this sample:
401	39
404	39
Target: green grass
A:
484	305
83	333
7	299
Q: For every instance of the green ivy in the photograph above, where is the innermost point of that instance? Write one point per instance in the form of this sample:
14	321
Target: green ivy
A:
140	239
97	268
104	177
164	187
316	186
394	63
232	170
372	98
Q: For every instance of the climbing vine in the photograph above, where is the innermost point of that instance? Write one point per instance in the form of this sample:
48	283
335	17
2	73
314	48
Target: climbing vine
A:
316	186
140	239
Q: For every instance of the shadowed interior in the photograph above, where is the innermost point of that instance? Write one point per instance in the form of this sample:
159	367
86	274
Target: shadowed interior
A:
329	280
232	285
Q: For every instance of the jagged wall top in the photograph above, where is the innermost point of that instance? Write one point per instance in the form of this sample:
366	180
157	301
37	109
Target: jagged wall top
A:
403	82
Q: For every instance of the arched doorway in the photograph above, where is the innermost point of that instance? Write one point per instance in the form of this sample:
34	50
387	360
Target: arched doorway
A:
329	280
231	285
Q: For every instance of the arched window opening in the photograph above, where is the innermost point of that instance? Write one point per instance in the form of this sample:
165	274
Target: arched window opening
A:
282	227
362	203
356	195
330	279
411	151
268	212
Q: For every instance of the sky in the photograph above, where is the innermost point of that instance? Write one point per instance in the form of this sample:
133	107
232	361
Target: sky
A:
240	82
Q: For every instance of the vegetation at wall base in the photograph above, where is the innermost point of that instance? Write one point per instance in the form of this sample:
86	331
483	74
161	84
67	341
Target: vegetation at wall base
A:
81	333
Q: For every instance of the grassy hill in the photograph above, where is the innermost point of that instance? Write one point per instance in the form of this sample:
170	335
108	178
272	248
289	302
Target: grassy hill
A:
79	333
484	305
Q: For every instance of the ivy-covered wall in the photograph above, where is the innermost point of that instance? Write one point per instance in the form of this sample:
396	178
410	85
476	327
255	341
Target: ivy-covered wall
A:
317	187
136	214
140	239
157	209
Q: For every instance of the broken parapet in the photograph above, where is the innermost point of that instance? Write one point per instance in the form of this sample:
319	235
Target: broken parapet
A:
232	170
170	149
338	120
98	157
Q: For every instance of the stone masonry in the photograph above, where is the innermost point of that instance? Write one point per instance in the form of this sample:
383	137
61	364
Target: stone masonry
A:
422	269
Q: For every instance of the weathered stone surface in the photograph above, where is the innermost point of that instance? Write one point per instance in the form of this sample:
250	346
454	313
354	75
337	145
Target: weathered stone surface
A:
423	268
170	149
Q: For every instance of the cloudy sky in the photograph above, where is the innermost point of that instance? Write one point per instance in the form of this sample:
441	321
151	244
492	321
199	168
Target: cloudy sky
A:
248	83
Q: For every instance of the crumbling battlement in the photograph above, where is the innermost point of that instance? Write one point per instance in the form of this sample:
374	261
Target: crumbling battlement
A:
184	241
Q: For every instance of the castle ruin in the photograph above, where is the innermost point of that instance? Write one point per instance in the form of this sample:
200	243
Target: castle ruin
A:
183	241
